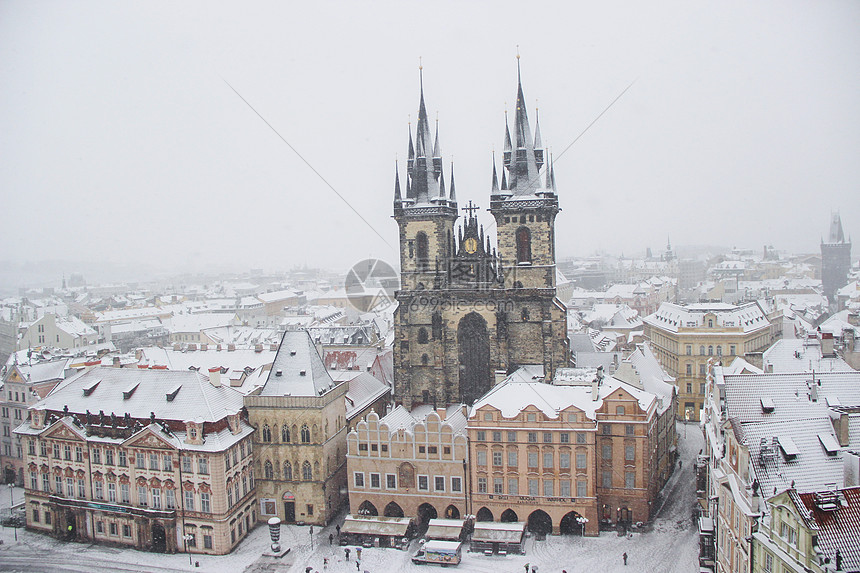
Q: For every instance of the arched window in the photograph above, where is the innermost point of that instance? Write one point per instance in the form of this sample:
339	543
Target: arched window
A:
307	473
306	434
268	470
267	433
524	245
288	471
710	350
719	350
285	434
422	335
423	248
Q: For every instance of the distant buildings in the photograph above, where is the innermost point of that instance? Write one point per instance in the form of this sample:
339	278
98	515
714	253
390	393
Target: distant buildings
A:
835	259
58	331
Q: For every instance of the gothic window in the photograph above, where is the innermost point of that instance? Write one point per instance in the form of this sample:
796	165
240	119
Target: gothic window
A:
437	325
285	434
423	249
525	314
524	245
288	471
306	434
425	359
422	335
268	470
267	433
307	473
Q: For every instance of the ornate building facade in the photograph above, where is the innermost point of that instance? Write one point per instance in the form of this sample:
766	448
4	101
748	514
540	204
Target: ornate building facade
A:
469	313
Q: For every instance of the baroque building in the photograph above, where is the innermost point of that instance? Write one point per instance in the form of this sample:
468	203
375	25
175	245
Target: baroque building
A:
469	312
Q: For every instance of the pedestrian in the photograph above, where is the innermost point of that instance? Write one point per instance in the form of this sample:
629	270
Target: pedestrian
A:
346	551
337	527
527	567
624	557
357	565
330	538
308	569
358	552
680	463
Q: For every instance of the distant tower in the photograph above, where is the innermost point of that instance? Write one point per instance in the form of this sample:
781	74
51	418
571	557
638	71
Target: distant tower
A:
835	259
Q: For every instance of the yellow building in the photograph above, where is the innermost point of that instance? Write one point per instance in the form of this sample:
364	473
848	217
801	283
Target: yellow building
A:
685	338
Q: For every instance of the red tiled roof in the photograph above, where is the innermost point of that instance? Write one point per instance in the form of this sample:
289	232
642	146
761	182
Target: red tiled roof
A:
840	528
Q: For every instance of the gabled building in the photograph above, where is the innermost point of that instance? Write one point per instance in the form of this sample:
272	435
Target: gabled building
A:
58	331
151	459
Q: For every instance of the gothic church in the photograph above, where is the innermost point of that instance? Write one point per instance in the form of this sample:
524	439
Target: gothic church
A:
469	312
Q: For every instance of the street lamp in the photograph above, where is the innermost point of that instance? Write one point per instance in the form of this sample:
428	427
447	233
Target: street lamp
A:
582	521
188	538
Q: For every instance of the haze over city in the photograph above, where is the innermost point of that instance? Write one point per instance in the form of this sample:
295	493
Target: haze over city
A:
124	144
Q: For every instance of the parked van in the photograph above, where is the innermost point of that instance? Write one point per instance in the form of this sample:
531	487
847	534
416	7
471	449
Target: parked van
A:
442	553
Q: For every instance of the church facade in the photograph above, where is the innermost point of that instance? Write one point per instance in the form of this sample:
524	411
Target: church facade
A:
470	312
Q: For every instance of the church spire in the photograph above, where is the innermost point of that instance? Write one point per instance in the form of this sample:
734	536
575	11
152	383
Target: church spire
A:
837	235
495	176
453	193
523	165
397	197
425	170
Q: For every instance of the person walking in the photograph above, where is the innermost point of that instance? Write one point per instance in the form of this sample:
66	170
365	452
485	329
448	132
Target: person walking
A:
346	551
330	538
624	557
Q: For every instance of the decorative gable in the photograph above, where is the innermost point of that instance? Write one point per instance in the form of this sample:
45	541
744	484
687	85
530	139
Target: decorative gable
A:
148	438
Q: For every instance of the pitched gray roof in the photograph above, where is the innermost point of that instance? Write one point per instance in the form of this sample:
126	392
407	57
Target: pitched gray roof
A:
298	369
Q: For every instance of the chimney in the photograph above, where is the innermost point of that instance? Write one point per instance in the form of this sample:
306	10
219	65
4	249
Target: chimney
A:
840	424
500	376
215	376
827	345
442	412
595	386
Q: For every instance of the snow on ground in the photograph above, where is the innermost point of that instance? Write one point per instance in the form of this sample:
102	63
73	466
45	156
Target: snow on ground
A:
670	546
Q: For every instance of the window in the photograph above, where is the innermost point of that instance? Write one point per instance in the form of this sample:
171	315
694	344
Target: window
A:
703	369
701	351
43	449
547	460
306	434
438	483
629	452
46	482
422	336
513	486
97	455
111	491
689	350
390	481
524	247
140	461
531	417
719	350
100	526
702	388
497	458
186	464
689	369
607	479
512	458
268	470
564	438
288	471
267	433
498	486
481	436
548	488
431	449
564	488
731	350
189	500
207	541
126	530
710	350
203	465
547	437
512	436
581	460
606	451
581	489
497	436
533	460
482	484
67	452
629	429
34	480
229	496
113	528
205	507
98	488
629	480
424	483
607	429
533	487
422	247
456	484
48	518
375	481
580	438
124	493
109	457
768	563
689	388
564	460
56	451
307	473
167	461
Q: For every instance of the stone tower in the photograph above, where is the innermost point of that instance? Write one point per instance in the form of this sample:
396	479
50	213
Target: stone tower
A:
835	259
468	312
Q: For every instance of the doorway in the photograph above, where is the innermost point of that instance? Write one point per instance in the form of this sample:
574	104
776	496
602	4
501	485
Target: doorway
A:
159	538
290	511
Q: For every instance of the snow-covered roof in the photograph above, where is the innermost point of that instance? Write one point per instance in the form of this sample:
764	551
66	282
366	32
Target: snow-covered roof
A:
800	355
670	316
298	369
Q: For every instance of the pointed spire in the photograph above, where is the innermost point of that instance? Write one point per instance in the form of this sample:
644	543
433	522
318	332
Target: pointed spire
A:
538	142
425	170
453	193
495	176
411	155
504	180
442	186
397	197
507	134
837	235
525	165
437	151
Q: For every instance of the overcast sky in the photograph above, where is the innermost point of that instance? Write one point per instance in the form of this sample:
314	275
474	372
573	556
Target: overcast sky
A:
122	142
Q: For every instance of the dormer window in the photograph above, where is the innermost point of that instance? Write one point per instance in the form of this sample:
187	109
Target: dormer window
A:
193	433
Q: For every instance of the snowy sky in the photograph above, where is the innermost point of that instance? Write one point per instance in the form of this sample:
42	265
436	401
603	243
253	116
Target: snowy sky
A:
122	142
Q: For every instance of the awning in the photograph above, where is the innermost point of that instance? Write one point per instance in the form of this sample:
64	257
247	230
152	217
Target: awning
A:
445	529
497	532
386	526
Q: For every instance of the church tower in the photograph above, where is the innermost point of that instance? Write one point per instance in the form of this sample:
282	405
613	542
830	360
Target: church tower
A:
835	259
469	313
